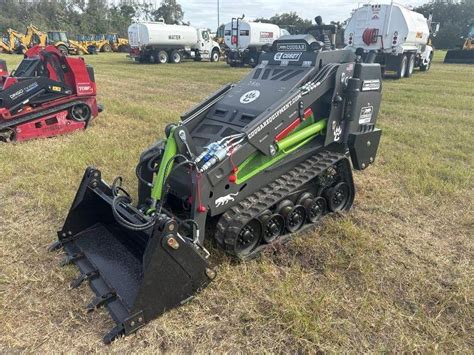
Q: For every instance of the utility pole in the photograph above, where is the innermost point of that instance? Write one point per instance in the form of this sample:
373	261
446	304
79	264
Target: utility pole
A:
218	14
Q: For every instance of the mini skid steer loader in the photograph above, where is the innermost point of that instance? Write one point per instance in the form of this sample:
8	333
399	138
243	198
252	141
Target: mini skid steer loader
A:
255	162
47	95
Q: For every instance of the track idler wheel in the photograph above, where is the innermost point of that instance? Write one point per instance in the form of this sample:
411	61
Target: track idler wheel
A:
273	226
249	237
81	113
7	135
294	216
315	208
338	196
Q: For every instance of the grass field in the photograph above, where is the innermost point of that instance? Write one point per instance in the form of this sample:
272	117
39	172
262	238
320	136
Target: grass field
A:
394	274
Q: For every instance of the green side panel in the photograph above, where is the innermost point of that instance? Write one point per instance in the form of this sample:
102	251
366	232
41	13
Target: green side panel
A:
165	167
258	162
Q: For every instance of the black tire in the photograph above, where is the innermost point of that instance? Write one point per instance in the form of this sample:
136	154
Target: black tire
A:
175	57
81	113
107	48
63	49
411	66
215	56
402	67
427	66
162	57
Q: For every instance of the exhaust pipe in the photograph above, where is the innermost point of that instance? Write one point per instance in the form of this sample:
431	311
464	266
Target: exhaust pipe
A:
136	274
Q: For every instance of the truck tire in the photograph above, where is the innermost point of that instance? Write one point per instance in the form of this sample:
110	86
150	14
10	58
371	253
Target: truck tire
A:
402	67
162	57
175	57
411	66
215	55
426	67
107	48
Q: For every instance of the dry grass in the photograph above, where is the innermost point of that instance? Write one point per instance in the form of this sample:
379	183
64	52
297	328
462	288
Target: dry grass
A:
394	274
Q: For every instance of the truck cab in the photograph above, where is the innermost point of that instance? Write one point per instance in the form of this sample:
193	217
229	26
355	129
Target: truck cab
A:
208	48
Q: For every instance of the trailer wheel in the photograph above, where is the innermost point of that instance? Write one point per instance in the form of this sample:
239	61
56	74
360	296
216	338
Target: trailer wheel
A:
162	57
215	56
402	67
411	66
175	57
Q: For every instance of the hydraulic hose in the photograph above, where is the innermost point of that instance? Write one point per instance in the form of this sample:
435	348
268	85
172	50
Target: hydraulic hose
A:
126	199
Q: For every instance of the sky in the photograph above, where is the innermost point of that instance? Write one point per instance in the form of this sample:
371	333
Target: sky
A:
203	13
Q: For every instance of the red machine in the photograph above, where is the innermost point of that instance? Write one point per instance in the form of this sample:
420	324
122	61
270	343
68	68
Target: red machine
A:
47	95
3	71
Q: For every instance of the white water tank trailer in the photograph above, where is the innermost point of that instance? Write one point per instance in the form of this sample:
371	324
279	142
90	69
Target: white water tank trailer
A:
157	42
244	40
397	36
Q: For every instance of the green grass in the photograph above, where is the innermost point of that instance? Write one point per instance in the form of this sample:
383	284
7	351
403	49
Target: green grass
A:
394	274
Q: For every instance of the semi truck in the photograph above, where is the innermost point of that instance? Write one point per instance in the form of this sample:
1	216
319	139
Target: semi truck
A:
398	38
244	40
158	42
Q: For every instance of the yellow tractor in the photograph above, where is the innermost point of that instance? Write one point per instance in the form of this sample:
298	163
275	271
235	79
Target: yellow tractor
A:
117	43
67	46
14	42
465	55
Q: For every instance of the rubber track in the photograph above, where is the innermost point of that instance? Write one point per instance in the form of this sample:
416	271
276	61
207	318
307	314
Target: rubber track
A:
232	221
26	118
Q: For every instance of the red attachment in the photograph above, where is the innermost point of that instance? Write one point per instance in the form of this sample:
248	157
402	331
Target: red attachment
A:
370	36
288	129
201	209
47	126
232	178
233	40
307	113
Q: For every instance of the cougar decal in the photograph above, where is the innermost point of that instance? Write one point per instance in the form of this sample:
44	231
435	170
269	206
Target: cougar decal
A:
224	200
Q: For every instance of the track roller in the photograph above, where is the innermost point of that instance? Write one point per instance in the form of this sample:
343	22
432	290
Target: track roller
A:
294	215
315	208
273	226
249	237
338	196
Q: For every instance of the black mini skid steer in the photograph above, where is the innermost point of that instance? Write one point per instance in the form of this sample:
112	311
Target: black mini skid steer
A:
255	162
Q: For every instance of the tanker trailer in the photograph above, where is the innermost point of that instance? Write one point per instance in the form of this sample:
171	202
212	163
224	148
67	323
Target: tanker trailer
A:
399	37
157	42
244	40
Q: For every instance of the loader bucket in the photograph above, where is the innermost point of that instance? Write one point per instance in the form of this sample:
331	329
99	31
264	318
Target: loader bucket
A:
136	275
459	56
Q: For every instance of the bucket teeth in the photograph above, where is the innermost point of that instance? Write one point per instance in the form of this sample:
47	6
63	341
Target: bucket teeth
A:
100	301
83	277
69	259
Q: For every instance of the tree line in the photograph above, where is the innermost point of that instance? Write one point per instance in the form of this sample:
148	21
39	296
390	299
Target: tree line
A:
97	16
81	16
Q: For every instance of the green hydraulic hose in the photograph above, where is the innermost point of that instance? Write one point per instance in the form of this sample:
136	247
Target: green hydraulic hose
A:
165	167
301	135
